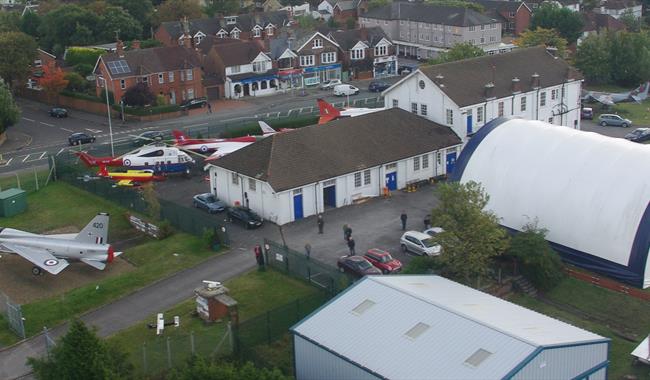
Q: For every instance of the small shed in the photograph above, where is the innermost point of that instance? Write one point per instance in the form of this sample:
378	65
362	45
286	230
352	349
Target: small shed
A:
214	303
12	202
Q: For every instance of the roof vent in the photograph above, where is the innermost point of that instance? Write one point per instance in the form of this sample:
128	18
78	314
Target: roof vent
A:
478	357
516	86
535	81
417	330
362	307
489	90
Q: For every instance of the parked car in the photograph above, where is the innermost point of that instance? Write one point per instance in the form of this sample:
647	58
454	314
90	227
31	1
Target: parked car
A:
194	103
328	84
357	266
80	138
345	89
208	202
587	113
433	231
148	137
419	243
376	86
639	135
58	112
244	216
383	261
613	120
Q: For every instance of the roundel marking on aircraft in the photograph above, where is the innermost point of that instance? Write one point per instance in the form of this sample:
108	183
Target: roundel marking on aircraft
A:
51	262
127	162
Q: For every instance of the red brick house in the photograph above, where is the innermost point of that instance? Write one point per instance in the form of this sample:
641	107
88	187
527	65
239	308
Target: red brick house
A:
318	56
42	59
594	23
366	52
174	72
342	10
250	26
515	16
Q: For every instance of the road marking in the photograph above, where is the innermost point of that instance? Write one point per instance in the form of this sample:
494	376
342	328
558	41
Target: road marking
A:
41	157
67	130
6	163
197	125
24	118
49	125
26	157
94	130
61	151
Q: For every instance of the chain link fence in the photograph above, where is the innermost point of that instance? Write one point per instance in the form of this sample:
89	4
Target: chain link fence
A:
13	314
299	265
29	181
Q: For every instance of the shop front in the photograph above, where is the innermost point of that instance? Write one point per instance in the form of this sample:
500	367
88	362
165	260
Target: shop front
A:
318	74
384	67
252	84
290	78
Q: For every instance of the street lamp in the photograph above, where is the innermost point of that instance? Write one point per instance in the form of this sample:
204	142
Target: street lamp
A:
108	110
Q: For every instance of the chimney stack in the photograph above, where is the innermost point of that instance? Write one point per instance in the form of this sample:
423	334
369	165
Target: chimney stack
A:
489	90
439	79
363	33
135	44
535	81
119	48
516	86
187	41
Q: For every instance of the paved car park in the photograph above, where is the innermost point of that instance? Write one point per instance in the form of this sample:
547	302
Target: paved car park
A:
375	223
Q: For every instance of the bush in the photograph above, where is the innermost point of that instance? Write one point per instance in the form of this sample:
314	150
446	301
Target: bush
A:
138	96
77	55
84	69
111	97
76	82
161	100
539	263
80	95
424	265
144	111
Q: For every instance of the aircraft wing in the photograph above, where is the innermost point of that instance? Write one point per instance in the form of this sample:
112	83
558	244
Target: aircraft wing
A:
125	182
39	257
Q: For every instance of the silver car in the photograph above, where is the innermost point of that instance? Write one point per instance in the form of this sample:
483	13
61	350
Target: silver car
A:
419	243
613	120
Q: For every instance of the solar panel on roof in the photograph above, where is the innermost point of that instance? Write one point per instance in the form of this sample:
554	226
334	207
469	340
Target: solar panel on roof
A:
119	67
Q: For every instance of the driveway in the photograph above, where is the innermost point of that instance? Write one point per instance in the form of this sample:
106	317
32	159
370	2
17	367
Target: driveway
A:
593	126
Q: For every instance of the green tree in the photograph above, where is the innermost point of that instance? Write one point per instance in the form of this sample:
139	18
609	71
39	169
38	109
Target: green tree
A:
372	4
68	25
18	53
221	7
77	55
204	369
145	44
138	96
472	235
539	263
633	23
459	51
592	59
306	22
141	10
76	82
566	22
9	22
541	36
9	111
457	3
116	19
629	57
30	23
80	354
174	10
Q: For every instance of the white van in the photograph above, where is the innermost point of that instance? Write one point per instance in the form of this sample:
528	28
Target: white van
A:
345	89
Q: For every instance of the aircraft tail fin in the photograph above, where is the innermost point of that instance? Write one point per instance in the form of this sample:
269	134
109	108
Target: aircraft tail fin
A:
87	159
95	232
266	129
327	112
641	93
179	137
91	161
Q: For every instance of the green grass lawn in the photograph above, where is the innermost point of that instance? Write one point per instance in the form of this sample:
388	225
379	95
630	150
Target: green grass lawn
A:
61	205
638	113
625	310
256	292
27	181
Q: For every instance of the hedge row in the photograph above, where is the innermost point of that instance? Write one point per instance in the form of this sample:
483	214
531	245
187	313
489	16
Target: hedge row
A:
80	95
154	110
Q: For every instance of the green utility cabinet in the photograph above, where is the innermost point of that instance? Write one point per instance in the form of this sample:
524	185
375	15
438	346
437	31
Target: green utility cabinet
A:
12	202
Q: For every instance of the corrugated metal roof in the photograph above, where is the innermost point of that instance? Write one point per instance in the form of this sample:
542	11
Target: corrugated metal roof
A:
455	322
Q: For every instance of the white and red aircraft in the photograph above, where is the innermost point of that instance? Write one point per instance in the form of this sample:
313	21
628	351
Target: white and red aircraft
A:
328	112
210	145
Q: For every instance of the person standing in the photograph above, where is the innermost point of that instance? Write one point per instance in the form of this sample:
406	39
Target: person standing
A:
348	233
403	218
209	108
321	223
351	246
427	222
345	232
258	256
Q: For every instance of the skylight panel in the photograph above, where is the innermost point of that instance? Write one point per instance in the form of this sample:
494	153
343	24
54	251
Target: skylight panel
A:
362	307
417	330
478	357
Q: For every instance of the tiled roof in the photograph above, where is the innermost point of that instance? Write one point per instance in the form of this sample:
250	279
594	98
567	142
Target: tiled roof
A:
307	155
154	60
432	14
244	22
348	38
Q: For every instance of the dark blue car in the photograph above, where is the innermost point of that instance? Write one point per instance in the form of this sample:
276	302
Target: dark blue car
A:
208	202
376	86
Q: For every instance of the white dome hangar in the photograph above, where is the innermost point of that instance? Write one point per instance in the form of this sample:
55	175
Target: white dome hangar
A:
591	192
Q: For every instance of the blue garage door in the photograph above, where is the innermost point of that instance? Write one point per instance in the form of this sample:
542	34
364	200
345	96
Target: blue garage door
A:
469	125
329	196
297	207
391	181
451	161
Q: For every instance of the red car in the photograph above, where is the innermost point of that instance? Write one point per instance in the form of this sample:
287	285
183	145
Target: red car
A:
357	266
383	261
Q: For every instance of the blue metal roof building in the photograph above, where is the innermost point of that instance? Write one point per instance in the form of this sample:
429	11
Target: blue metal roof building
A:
429	327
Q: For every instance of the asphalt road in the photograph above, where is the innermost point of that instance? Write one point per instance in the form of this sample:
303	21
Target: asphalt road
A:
37	134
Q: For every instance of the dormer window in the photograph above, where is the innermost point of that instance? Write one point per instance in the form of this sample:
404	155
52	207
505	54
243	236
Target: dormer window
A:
257	32
269	30
234	33
231	20
222	34
317	43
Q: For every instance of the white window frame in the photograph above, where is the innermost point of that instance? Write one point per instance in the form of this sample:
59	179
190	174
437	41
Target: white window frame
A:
257	32
190	93
357	179
222	34
328	57
189	74
317	43
416	163
425	161
252	185
235	69
414	108
357	54
366	177
123	84
170	76
542	99
500	108
234	34
395	103
307	60
554	94
479	115
449	116
234	178
472	28
522	107
381	50
423	109
161	78
269	30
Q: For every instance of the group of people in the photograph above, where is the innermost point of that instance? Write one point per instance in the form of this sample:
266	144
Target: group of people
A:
403	217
